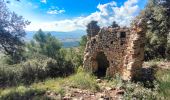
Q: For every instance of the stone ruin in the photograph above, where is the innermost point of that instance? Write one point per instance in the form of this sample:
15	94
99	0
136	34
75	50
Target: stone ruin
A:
115	50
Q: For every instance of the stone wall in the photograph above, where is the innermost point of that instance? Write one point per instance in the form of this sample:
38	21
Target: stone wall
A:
123	48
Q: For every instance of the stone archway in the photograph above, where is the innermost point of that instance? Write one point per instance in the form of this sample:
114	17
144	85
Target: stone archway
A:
102	64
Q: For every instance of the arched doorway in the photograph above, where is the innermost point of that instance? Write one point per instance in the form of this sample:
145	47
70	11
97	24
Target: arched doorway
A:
103	64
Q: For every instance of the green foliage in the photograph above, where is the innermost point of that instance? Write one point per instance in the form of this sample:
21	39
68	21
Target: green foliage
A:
116	81
21	93
157	15
26	73
33	70
44	59
36	69
16	59
92	29
163	77
137	91
160	91
80	69
9	75
12	33
83	41
73	55
83	80
44	44
114	25
36	91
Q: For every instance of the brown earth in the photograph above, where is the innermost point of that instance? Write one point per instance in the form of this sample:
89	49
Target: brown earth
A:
105	93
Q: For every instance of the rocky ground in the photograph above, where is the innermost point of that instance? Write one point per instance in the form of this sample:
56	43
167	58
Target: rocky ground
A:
160	64
105	93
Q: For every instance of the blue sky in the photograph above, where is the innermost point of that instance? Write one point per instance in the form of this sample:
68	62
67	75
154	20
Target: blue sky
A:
70	15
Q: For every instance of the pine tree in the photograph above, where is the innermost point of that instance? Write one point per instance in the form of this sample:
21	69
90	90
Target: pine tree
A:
157	13
114	25
92	29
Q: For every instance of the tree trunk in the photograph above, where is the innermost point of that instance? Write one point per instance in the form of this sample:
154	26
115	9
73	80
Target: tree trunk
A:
168	47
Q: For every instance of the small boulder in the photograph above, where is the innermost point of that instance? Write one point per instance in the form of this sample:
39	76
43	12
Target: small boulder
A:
98	80
120	92
108	88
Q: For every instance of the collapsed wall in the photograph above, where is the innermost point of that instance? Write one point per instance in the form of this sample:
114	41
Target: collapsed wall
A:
115	50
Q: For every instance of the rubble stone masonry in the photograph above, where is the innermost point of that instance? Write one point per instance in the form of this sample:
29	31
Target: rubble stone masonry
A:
123	48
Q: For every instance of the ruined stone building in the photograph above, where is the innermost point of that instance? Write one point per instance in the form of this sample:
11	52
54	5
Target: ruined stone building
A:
115	50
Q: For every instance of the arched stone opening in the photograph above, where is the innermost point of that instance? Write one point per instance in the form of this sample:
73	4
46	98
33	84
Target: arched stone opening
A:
102	64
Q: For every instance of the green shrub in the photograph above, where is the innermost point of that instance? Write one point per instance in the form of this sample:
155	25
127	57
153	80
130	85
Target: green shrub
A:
135	91
115	81
60	68
73	55
21	93
33	70
163	77
139	92
37	91
83	80
9	75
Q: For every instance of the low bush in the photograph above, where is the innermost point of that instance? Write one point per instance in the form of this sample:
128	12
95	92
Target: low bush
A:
115	81
139	92
163	78
9	75
36	91
21	93
56	86
73	55
33	70
83	80
36	69
135	91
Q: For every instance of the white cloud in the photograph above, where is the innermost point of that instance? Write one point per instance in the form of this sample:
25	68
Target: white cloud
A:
55	10
106	14
44	1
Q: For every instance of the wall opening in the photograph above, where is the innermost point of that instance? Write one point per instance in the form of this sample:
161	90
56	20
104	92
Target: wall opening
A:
111	42
123	35
103	64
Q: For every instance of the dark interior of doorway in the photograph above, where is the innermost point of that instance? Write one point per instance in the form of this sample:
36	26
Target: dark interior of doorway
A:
103	64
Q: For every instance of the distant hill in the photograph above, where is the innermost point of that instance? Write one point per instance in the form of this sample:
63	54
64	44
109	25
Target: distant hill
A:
69	39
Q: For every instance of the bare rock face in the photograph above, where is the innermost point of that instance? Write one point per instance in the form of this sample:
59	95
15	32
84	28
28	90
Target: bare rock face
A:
115	50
